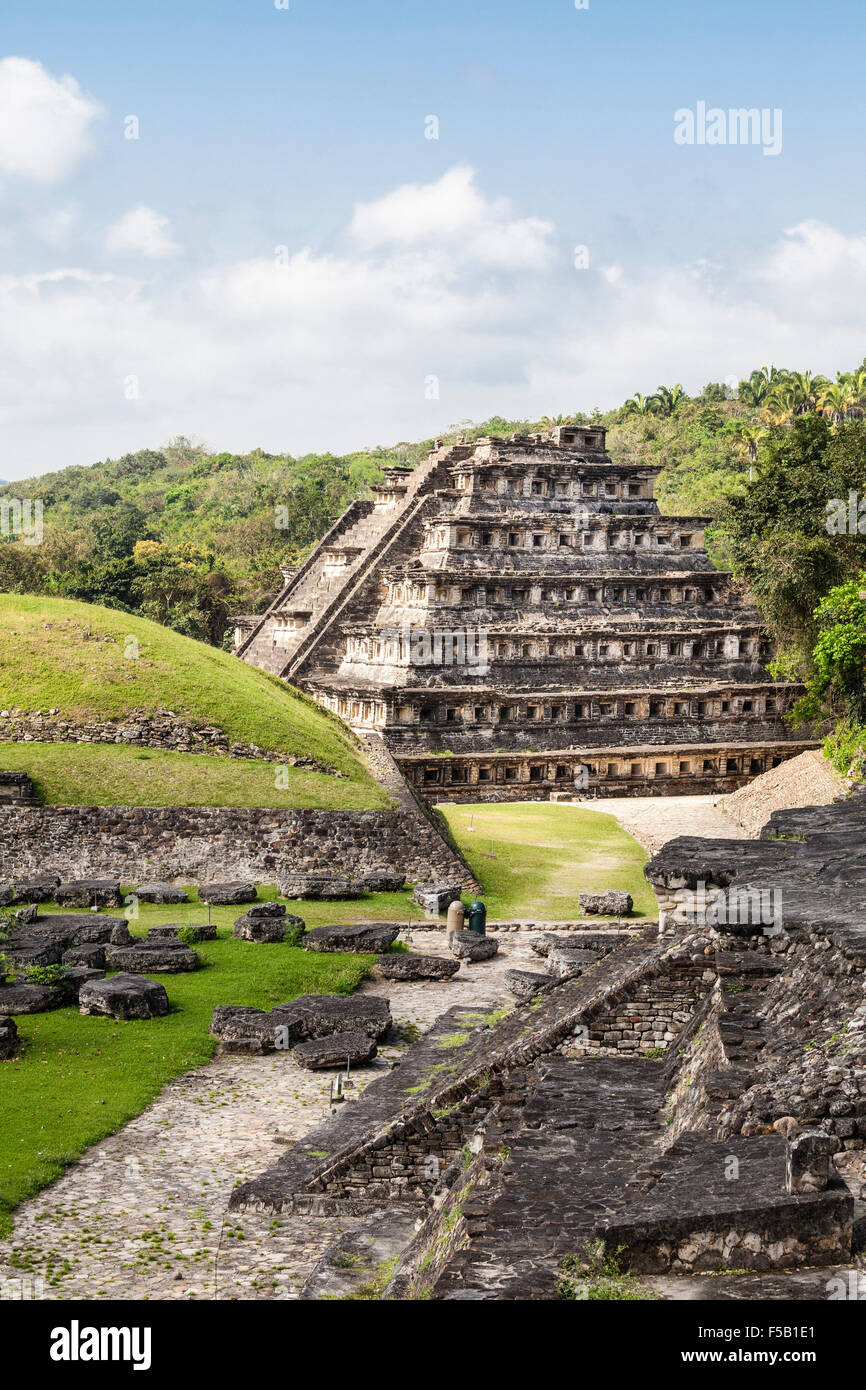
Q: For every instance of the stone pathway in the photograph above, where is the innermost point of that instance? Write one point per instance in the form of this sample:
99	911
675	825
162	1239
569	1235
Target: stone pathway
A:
143	1214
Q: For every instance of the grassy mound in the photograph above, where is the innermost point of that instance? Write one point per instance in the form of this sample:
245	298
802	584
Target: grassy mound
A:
100	774
89	662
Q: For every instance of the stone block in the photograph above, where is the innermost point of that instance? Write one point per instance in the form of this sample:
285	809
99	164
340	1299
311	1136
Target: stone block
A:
266	929
317	1015
8	1038
409	967
525	984
383	883
228	894
85	892
375	937
435	897
807	1167
335	1051
124	997
613	903
160	893
92	955
201	931
469	946
152	957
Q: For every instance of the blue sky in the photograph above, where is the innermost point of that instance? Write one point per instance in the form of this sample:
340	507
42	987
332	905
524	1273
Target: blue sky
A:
139	295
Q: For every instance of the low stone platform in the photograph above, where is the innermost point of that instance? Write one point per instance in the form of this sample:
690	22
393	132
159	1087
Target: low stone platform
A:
124	997
410	967
335	1051
374	937
228	894
152	956
160	893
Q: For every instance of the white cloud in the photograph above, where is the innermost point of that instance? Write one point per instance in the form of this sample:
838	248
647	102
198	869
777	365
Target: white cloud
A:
45	122
333	351
453	214
143	231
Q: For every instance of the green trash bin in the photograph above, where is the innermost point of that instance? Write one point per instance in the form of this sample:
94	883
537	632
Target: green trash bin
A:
478	917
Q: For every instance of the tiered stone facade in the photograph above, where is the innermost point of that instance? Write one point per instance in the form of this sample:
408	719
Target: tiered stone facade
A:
517	618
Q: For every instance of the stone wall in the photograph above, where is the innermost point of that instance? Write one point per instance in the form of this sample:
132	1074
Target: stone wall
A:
162	730
652	1015
204	844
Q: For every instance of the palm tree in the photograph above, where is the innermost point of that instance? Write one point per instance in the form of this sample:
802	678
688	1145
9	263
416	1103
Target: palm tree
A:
780	406
640	405
756	390
669	399
747	437
807	389
552	422
836	399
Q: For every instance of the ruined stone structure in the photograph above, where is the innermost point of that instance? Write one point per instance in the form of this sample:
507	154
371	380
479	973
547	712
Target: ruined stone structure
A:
516	618
693	1101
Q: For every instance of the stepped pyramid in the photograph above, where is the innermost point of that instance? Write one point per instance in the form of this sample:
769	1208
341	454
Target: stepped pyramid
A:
516	619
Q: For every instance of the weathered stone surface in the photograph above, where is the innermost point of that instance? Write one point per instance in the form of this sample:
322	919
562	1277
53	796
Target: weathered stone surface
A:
161	956
201	931
26	915
266	910
409	967
22	997
7	896
124	997
245	1030
807	1167
266	929
92	955
383	883
8	1037
322	887
567	964
85	892
252	1031
525	984
468	945
317	1015
612	903
24	948
34	890
363	936
227	894
434	897
161	893
334	1051
77	929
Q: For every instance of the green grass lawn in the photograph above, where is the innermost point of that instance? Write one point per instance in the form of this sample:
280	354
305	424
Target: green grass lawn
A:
102	774
544	855
78	658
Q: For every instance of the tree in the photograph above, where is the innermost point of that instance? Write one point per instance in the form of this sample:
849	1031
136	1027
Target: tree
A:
640	405
779	529
669	398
